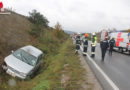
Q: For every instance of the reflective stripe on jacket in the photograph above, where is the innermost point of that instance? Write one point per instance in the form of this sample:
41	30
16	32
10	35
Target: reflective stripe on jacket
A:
93	44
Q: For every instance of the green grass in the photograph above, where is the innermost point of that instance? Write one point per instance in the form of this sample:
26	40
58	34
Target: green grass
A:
51	77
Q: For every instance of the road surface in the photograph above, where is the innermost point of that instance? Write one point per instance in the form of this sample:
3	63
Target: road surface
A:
116	69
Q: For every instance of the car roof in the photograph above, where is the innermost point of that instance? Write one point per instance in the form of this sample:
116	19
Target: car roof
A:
32	50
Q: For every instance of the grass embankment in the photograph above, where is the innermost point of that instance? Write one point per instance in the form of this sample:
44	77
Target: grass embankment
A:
61	71
48	42
64	70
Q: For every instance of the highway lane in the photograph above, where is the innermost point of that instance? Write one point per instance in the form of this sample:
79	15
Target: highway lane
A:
116	67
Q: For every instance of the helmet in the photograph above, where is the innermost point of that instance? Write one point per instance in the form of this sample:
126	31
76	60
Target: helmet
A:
86	35
93	34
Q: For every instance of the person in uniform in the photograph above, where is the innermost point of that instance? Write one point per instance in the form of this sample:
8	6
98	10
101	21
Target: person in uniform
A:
104	45
78	42
111	45
85	44
93	44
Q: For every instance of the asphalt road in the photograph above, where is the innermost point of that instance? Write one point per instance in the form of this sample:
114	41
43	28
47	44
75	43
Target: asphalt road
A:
115	67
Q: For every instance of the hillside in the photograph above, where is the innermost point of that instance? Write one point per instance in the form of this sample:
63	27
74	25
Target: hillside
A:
13	32
14	28
126	30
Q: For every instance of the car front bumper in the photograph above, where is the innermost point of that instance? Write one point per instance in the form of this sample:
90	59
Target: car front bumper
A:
12	73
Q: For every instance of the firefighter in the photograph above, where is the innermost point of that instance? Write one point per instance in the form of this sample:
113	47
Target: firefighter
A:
78	42
104	45
93	44
85	45
111	45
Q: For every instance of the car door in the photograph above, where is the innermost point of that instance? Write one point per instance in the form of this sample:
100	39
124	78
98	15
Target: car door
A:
39	61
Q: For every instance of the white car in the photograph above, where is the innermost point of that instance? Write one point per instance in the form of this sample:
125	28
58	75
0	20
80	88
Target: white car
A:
23	62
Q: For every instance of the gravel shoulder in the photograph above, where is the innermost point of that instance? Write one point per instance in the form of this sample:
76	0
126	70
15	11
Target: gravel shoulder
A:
89	76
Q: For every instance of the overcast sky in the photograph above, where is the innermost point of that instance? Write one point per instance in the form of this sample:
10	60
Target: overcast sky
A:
78	15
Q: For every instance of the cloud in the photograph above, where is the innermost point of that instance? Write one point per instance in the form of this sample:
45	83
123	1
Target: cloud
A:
78	15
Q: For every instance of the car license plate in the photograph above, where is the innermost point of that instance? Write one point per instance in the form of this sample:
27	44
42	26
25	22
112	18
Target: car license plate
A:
11	73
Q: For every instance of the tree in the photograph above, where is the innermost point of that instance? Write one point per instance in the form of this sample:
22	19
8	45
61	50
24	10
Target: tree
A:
37	18
58	31
58	27
39	23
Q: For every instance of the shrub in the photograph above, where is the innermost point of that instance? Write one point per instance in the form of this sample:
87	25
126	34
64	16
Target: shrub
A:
58	31
35	30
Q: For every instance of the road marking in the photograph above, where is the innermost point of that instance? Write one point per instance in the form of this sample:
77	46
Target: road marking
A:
103	73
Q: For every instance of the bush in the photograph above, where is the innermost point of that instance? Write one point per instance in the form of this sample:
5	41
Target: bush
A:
58	31
35	30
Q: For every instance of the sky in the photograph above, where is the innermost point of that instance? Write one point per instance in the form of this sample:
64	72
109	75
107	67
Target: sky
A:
78	15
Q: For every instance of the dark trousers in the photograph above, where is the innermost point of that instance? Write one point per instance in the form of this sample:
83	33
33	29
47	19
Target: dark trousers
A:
85	49
77	48
111	50
103	53
92	51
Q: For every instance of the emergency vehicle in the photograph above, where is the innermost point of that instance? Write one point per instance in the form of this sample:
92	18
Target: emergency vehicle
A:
122	39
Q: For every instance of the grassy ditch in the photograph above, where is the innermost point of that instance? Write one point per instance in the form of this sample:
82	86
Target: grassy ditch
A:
63	72
59	72
47	42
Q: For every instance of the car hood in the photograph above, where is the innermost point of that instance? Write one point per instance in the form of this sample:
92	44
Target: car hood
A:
17	64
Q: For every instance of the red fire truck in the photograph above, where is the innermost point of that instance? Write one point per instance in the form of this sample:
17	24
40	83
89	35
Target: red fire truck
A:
122	39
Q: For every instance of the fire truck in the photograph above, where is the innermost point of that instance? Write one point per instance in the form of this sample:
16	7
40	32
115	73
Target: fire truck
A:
122	39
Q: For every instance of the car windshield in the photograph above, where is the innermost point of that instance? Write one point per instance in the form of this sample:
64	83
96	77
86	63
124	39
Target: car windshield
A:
25	57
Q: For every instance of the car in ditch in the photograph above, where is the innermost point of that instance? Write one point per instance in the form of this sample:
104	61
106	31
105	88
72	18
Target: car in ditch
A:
23	62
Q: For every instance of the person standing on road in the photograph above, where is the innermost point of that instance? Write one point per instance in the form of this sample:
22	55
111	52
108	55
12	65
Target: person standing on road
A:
111	45
93	44
85	44
104	45
78	42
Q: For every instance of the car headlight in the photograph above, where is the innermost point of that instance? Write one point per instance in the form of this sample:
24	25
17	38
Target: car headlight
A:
22	74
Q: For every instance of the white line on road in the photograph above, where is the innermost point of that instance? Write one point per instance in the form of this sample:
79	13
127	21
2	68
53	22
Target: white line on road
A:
103	73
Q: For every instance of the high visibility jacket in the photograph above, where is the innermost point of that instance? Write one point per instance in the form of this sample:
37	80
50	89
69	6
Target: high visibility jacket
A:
94	41
93	45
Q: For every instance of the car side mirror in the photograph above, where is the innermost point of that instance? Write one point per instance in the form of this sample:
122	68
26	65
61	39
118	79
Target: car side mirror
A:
12	51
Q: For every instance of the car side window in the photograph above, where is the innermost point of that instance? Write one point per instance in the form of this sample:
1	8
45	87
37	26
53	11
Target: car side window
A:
39	58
